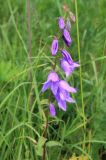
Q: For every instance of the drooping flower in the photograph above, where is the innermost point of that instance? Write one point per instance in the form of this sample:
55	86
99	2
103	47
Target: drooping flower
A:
60	89
66	56
52	109
54	46
66	67
67	63
63	95
61	23
66	37
52	82
65	86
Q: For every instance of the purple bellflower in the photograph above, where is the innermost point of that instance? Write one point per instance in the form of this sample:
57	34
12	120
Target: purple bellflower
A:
67	63
54	47
61	23
52	82
60	89
66	37
52	109
63	94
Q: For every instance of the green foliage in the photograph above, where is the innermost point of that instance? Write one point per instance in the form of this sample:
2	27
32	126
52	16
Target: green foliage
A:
39	147
7	71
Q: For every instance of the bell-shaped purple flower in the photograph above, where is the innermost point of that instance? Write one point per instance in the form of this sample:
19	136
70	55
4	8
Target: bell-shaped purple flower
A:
60	89
52	82
52	109
61	23
66	37
63	95
67	63
54	47
66	67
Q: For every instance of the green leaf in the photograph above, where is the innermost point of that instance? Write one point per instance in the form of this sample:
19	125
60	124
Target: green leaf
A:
39	147
53	144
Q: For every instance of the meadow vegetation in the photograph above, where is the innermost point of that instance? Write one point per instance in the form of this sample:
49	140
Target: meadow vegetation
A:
81	130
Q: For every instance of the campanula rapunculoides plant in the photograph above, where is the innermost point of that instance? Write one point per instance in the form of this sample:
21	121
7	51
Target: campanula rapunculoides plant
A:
60	88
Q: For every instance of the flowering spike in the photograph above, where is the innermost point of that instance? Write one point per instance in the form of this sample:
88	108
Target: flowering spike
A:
60	88
52	109
61	23
54	47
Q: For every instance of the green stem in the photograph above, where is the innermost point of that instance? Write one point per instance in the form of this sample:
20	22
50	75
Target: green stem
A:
79	54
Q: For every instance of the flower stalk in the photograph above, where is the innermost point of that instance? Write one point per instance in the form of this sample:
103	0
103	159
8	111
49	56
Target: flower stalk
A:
60	89
81	84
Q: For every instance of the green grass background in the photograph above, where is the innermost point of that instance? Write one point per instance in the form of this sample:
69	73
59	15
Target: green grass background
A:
22	126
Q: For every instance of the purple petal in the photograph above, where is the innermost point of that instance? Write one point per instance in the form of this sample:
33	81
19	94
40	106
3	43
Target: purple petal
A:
61	23
66	67
64	85
67	56
54	87
67	63
69	99
57	96
62	105
67	43
65	96
46	86
52	110
75	64
69	59
54	47
67	36
62	94
53	77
